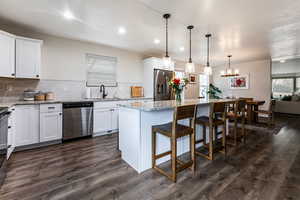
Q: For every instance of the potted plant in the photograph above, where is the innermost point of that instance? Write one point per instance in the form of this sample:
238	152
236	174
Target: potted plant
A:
214	92
178	85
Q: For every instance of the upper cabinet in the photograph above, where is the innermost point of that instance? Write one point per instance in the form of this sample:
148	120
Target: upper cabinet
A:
28	58
7	55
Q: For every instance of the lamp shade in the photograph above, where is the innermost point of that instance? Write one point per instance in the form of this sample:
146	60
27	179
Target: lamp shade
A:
207	70
190	67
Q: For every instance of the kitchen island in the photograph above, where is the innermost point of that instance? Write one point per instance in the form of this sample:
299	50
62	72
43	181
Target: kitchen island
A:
135	128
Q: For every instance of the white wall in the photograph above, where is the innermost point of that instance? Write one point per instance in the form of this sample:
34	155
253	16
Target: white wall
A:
259	80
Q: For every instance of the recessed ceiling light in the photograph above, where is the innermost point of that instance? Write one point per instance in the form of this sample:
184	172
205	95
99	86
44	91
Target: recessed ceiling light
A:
68	15
282	61
156	41
181	49
122	30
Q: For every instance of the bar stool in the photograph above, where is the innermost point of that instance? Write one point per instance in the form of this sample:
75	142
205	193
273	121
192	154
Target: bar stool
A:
217	117
238	115
173	130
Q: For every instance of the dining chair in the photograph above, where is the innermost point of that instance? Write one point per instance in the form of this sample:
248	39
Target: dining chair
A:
269	114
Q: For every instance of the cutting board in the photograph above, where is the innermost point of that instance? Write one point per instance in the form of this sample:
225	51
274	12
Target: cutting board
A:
137	91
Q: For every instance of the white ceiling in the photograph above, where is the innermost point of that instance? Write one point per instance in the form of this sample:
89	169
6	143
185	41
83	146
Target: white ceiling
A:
248	29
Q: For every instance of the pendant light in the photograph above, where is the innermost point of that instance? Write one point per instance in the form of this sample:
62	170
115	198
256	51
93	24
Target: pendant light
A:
207	68
228	72
167	60
190	66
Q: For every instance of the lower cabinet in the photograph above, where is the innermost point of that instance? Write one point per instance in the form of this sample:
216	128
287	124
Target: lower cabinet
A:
105	120
27	125
50	126
38	123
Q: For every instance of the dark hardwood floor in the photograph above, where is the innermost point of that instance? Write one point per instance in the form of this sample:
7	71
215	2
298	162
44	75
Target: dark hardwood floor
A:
268	167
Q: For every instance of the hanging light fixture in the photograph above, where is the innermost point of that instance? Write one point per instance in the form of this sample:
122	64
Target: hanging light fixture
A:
207	68
228	72
167	60
190	66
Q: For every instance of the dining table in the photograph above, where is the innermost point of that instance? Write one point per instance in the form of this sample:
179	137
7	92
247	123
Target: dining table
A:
252	106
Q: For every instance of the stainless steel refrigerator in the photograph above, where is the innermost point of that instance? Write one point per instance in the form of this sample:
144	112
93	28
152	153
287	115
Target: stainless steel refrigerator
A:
162	90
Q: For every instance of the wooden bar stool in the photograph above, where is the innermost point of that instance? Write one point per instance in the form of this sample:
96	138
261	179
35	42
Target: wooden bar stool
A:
216	118
173	130
238	115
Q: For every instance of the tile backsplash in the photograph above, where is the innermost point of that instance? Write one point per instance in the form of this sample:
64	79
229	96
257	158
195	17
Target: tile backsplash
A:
12	89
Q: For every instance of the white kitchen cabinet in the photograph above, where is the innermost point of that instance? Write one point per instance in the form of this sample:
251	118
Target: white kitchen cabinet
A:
106	116
115	119
11	135
7	55
27	125
50	126
102	120
50	122
28	58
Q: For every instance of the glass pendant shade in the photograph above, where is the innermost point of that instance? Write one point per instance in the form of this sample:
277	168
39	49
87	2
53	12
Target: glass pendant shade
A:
190	67
167	62
207	70
236	71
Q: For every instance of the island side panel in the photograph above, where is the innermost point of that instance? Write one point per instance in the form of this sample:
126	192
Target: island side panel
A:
129	136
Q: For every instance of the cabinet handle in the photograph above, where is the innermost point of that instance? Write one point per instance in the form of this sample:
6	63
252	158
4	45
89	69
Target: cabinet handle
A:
9	127
60	113
51	108
13	74
9	146
37	76
109	131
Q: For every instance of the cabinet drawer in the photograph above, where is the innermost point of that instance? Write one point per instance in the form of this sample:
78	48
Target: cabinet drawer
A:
111	104
50	108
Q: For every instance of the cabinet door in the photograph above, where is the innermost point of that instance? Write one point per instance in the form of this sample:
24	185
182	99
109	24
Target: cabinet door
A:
28	58
7	55
11	132
115	119
50	126
27	125
102	120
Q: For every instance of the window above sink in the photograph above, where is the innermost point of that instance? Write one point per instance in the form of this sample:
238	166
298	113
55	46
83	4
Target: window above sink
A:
101	70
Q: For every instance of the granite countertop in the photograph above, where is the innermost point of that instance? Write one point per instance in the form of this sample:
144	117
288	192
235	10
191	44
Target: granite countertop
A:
169	104
6	103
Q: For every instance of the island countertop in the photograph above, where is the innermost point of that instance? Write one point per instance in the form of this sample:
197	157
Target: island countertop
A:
170	104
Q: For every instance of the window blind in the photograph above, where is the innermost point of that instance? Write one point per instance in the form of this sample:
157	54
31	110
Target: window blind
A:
101	70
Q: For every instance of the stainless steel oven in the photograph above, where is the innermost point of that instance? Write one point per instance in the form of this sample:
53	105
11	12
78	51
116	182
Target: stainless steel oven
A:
77	120
4	114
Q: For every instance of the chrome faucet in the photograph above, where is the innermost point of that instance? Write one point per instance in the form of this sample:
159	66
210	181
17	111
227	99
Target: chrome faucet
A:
102	90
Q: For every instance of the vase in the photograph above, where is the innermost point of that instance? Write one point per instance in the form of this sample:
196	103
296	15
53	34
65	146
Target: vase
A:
178	96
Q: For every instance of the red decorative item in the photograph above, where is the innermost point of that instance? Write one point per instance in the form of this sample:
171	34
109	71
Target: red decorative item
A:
176	81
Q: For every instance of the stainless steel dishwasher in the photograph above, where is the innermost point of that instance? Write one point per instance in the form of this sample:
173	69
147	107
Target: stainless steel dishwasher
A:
77	120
